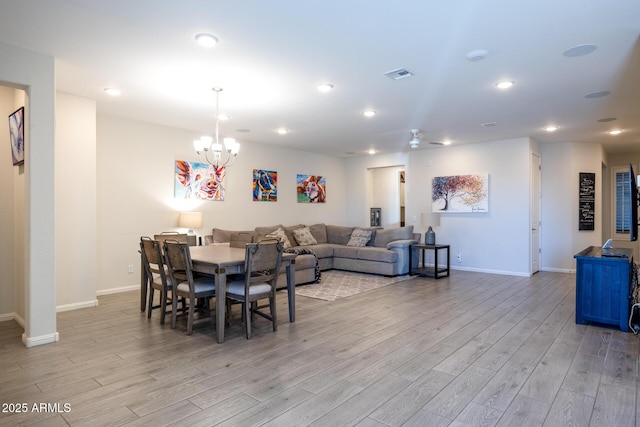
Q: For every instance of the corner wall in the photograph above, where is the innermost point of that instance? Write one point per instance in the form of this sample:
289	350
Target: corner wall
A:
35	73
135	192
560	237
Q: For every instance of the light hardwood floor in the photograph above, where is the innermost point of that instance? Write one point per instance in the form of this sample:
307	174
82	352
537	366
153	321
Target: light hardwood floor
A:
472	349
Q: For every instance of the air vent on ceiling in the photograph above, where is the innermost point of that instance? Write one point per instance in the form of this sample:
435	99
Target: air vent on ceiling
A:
435	143
398	74
489	125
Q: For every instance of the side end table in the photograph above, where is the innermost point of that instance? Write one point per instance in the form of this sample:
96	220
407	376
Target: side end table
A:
438	270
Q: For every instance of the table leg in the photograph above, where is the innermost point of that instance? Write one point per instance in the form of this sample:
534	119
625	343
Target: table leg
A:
221	303
291	290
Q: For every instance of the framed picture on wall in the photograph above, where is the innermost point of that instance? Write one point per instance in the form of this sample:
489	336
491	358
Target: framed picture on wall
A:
16	134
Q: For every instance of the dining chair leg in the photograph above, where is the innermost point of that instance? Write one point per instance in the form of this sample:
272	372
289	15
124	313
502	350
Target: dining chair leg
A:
163	305
174	310
150	307
247	319
192	304
272	307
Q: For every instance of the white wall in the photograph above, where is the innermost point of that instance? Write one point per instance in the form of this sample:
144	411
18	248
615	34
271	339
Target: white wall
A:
496	241
35	73
75	202
560	237
135	192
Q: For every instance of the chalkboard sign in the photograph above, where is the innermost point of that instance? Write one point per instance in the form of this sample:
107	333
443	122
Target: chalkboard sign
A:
587	201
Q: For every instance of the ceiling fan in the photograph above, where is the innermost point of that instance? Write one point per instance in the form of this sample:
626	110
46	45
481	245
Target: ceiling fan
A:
415	140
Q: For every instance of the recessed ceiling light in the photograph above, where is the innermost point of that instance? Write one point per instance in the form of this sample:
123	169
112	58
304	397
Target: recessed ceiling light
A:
112	91
325	87
369	113
580	50
615	132
505	84
372	151
599	94
551	128
477	55
206	39
223	117
283	131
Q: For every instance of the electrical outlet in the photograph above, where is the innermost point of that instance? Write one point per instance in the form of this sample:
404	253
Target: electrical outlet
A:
130	269
459	257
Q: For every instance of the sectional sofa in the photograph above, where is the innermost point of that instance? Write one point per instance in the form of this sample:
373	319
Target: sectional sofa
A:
359	249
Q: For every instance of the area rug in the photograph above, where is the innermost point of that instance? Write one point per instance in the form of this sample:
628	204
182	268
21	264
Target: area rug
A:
337	284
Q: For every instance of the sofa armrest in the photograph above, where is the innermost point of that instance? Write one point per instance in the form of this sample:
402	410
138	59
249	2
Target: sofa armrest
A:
401	243
402	248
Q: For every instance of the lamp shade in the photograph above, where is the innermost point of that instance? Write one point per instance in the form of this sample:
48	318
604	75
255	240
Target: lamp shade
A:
190	220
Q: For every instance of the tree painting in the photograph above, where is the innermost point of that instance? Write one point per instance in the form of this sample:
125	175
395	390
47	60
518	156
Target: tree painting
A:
460	193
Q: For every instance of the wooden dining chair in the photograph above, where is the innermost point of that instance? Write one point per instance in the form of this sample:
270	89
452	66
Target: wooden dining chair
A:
178	260
259	281
156	272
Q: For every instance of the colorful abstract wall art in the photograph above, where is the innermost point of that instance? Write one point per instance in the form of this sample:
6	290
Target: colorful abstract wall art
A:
460	193
199	181
311	188
265	186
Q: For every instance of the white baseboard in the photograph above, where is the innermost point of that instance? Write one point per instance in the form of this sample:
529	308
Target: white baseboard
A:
118	290
558	270
43	339
19	319
6	317
77	306
484	270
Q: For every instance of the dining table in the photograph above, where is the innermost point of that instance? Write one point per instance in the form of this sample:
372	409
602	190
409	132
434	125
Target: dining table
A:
221	260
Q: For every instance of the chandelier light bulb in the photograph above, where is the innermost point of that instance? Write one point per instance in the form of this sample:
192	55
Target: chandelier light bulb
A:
206	144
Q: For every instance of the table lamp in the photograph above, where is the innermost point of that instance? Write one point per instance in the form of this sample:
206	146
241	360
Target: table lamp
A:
190	220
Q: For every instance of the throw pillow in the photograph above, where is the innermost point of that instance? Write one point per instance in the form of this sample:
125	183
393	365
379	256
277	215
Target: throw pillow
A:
359	237
304	237
282	236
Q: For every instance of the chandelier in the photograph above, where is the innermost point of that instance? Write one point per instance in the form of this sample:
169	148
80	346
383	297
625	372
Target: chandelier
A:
213	152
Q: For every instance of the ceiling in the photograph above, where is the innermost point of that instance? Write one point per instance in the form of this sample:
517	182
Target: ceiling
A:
272	55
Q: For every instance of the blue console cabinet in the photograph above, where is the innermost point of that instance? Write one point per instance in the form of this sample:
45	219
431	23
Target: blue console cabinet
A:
603	287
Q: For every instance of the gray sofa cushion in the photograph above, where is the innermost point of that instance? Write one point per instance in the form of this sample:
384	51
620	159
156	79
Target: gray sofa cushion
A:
319	231
385	236
322	250
365	253
338	234
263	231
224	236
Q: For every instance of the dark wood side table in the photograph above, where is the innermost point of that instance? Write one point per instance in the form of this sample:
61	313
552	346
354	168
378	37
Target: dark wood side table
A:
437	270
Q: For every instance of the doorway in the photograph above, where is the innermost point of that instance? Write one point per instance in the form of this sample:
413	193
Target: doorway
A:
387	193
535	213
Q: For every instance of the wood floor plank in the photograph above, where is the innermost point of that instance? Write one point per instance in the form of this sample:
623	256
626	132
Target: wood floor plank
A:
409	401
524	411
570	409
469	349
614	406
